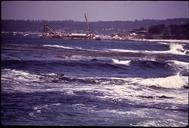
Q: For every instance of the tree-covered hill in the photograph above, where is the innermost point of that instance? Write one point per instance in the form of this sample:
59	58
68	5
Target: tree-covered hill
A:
100	27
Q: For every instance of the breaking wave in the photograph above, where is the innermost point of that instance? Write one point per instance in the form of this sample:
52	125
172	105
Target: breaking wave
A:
69	48
19	76
177	49
174	48
56	82
59	46
175	81
124	62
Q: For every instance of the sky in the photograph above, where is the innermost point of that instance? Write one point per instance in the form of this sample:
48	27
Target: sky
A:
95	10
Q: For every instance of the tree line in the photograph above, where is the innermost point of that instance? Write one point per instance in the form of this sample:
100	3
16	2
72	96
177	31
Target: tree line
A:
168	27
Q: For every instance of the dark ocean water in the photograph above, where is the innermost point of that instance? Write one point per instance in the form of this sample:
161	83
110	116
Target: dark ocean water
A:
98	83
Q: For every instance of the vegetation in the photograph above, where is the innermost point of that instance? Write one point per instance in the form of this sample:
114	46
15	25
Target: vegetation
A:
100	27
170	31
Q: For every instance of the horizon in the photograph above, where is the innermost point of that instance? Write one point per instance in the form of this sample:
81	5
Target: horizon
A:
90	21
96	10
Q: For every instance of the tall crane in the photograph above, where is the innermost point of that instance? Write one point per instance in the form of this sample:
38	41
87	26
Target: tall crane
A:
88	28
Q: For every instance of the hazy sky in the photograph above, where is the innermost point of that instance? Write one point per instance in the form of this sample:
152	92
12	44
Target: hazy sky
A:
96	10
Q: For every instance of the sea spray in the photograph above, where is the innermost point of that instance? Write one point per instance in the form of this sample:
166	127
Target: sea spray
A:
176	48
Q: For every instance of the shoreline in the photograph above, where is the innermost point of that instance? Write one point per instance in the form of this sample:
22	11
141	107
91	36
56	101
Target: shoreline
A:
163	40
149	40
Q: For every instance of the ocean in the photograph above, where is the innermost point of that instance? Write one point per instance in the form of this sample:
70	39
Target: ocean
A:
60	82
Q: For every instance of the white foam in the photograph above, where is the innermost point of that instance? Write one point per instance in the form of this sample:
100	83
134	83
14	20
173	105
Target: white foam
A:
166	122
180	63
51	74
66	47
130	90
175	81
58	46
123	62
133	91
20	75
123	50
176	48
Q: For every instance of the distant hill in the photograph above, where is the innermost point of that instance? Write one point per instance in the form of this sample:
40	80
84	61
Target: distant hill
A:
100	27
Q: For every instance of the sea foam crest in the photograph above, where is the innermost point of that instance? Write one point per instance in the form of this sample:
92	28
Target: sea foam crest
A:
20	75
175	81
123	62
181	64
71	48
176	48
123	50
58	46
